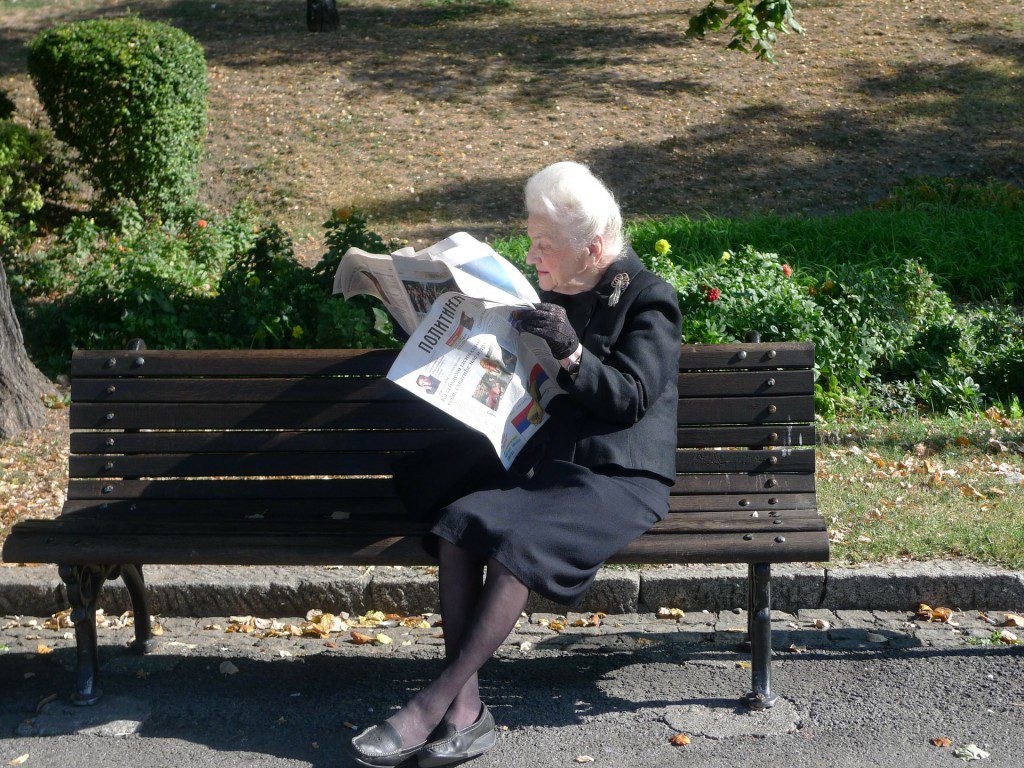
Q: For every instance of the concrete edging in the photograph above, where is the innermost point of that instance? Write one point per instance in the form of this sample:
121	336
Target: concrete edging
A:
204	590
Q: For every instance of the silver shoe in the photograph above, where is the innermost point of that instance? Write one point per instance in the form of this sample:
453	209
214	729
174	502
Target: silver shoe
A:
454	745
380	746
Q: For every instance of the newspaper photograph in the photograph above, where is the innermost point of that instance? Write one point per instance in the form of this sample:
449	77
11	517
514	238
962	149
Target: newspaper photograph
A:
467	359
408	282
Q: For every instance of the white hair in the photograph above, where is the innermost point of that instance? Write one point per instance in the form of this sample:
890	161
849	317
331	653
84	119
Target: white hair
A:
576	200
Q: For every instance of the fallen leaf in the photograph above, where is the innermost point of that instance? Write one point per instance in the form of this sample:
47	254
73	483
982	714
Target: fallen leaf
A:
359	638
822	624
942	741
44	701
670	613
383	639
19	759
157	629
680	739
970	752
525	645
43	648
744	664
1013	620
584	759
1006	636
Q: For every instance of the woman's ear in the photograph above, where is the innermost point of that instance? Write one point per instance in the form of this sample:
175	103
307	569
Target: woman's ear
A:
596	249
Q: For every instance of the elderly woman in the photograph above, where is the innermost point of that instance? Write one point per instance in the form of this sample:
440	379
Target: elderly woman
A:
593	478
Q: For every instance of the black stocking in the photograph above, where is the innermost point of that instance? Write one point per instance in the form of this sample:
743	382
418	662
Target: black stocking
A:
502	600
460	578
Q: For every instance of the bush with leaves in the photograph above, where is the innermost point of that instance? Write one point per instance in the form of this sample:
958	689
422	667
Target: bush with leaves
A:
200	281
31	172
130	96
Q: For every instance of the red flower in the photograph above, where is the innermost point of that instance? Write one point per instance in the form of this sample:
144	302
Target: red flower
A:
787	269
713	294
201	223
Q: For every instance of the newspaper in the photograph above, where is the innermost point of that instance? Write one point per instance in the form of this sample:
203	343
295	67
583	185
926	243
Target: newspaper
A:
464	356
409	281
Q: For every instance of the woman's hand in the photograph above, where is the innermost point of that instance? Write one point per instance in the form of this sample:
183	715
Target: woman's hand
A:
549	322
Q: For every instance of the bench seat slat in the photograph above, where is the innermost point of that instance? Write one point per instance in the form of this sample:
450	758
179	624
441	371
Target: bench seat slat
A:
394	526
352	463
376	362
329	549
88	442
366	388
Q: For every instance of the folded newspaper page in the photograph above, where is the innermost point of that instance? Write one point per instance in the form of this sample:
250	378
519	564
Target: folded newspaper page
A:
409	281
468	360
455	299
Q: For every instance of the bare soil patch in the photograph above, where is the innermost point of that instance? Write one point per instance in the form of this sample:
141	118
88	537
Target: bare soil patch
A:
431	118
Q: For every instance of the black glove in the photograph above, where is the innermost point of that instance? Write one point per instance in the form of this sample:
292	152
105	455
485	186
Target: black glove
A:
549	322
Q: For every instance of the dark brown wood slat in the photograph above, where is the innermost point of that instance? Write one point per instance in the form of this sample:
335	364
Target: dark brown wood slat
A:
743	484
393	526
376	362
760	501
784	460
53	547
247	389
786	409
791	435
266	463
743	383
413	415
787	354
290	508
410	415
697	506
86	442
382	488
232	464
232	362
364	388
238	442
232	489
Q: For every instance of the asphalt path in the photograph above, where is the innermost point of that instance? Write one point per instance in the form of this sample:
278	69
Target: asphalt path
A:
617	696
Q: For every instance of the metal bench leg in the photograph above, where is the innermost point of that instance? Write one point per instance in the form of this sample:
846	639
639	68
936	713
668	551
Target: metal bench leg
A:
131	573
743	646
82	584
761	697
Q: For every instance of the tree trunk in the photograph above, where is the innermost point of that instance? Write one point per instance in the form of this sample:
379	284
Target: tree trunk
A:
21	383
321	15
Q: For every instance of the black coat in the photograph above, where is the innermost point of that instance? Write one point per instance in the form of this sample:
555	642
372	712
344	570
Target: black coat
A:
621	410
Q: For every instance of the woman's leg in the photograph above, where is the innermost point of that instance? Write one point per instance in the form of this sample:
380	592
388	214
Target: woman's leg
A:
501	602
460	578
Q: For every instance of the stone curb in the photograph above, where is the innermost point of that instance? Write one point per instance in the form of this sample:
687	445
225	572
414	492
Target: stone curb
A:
205	590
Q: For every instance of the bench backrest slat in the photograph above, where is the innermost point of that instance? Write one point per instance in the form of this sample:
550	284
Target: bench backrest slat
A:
322	427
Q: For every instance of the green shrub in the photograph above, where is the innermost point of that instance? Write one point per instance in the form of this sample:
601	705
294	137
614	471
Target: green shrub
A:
200	281
130	96
31	172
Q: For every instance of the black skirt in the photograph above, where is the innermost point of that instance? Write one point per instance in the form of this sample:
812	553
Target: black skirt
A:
555	527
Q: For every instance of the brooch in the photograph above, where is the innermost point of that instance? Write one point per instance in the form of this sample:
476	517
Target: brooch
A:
619	283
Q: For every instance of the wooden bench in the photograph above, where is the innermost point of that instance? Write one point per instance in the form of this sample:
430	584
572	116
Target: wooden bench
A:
220	457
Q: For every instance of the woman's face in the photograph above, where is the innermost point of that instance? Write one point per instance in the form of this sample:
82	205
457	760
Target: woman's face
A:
560	268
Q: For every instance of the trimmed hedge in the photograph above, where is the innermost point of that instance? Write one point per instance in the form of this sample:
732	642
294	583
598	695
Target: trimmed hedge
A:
130	96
